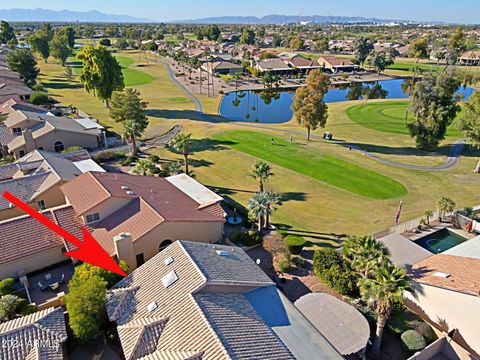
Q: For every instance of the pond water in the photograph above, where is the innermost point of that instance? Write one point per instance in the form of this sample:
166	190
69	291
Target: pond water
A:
271	106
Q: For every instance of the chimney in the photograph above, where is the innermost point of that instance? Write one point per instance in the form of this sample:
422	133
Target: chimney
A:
124	249
29	141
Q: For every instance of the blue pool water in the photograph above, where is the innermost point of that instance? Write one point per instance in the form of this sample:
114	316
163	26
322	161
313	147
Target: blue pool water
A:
271	106
440	241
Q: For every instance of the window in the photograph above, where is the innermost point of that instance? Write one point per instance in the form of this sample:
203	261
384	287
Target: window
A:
164	244
40	148
92	217
140	260
58	146
17	131
41	205
21	153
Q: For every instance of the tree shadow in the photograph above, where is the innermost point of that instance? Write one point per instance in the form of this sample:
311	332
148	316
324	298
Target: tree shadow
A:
200	163
293	196
222	191
185	114
62	85
207	144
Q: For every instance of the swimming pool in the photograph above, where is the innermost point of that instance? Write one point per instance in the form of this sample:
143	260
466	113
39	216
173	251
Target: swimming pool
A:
440	241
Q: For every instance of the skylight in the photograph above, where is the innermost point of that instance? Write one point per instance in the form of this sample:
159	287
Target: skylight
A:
152	306
168	260
441	275
169	279
223	253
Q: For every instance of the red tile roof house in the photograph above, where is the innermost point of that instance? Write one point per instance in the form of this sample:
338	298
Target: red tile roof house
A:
336	65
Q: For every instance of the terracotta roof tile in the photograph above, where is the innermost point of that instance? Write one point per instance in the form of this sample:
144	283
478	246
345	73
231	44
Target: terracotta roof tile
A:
463	273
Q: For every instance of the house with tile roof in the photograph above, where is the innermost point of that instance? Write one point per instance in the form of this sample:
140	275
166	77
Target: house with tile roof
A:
39	336
203	301
447	290
274	65
25	130
135	217
36	179
336	65
221	67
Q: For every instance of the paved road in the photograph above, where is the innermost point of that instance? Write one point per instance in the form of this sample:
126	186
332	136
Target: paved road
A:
451	162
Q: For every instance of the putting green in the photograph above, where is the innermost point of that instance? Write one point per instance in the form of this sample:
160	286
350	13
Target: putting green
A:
387	116
133	77
326	168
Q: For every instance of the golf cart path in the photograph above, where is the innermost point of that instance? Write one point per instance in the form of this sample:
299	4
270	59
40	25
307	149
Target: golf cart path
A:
450	163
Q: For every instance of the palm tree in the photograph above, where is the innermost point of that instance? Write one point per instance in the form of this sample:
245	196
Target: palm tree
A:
8	306
132	130
365	254
180	144
445	205
428	215
384	291
174	168
237	76
273	200
142	167
261	171
258	206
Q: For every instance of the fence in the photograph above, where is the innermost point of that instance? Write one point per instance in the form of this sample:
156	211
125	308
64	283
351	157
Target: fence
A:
406	226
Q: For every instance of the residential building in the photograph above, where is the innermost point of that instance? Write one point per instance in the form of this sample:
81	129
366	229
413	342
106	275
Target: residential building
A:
469	58
135	217
275	65
36	179
39	336
447	290
25	130
336	65
203	301
221	67
303	64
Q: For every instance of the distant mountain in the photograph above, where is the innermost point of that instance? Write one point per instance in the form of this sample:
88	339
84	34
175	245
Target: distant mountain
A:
289	19
66	16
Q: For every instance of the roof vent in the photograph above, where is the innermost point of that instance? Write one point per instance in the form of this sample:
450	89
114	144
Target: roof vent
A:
130	192
125	187
169	279
11	206
442	275
168	260
223	253
152	306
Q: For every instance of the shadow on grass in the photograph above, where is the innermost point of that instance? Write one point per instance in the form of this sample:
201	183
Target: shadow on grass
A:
223	191
207	144
200	163
62	85
185	114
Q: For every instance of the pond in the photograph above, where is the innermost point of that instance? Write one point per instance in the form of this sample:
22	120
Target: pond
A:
271	106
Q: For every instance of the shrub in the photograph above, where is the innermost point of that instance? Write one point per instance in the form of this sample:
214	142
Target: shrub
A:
120	154
71	149
129	161
284	266
6	286
38	87
294	243
154	170
39	98
298	261
401	321
154	159
249	238
413	341
28	309
425	330
335	271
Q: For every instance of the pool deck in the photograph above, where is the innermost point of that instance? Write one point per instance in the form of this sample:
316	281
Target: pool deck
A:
436	227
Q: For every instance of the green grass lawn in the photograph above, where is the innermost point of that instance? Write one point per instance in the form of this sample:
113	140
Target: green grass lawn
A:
329	169
387	116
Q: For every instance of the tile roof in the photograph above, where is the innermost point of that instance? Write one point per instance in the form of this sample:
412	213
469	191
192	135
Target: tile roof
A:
273	64
188	321
6	135
24	188
23	236
334	61
463	273
169	202
46	326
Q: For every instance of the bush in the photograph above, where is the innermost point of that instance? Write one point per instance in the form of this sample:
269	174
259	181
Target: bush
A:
298	261
401	321
413	341
294	244
39	98
38	87
154	159
335	271
154	170
120	154
249	238
28	309
129	161
425	330
6	286
71	149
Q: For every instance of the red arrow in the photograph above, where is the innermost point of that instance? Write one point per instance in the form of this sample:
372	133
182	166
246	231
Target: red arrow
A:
87	250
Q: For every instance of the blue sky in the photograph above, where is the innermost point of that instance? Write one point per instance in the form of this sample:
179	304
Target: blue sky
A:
464	11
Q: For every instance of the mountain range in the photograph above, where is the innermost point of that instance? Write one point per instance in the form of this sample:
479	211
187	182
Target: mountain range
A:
66	16
290	19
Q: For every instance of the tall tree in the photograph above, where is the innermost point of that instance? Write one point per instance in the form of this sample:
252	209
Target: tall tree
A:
380	61
470	122
309	105
247	37
101	72
38	41
434	104
7	34
419	49
457	44
384	290
69	33
181	144
128	108
23	62
362	49
445	205
258	207
272	200
262	172
60	48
